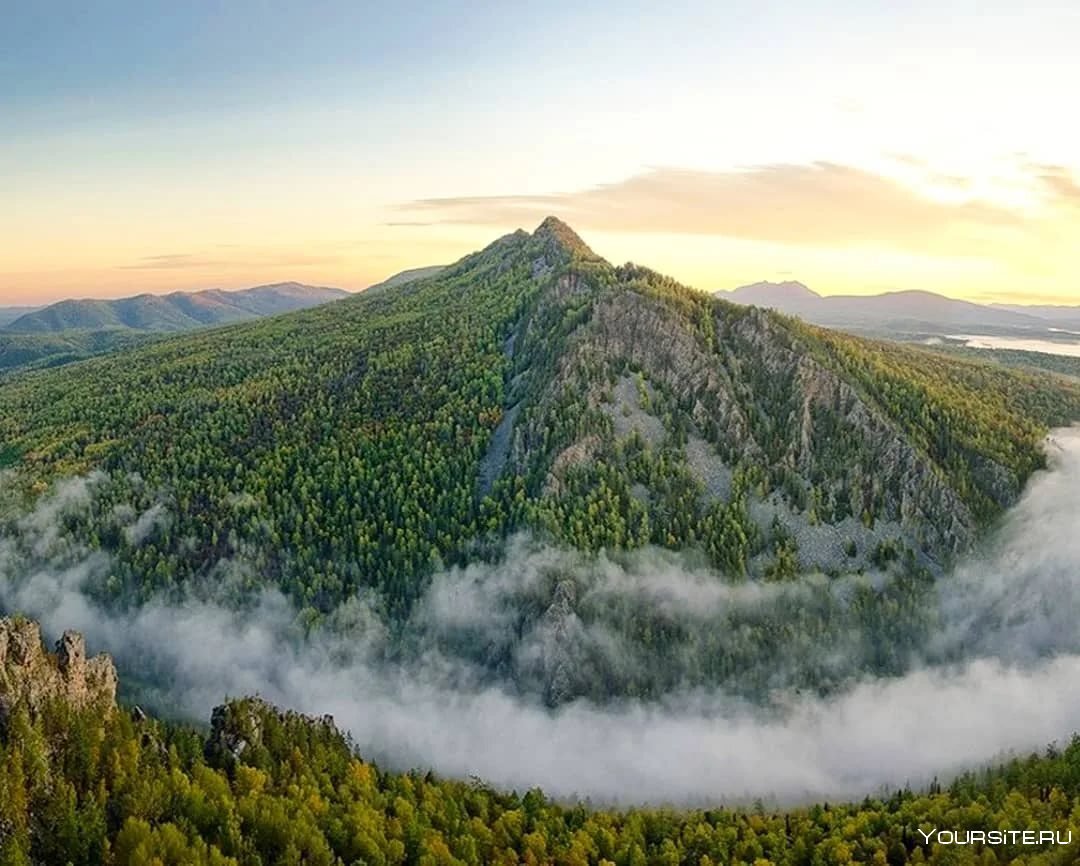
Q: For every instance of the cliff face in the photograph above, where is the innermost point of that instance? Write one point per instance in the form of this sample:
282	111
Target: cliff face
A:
721	387
31	675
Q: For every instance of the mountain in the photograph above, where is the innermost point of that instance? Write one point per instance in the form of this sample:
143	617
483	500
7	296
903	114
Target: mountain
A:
86	781
534	385
787	297
178	311
527	413
408	276
535	499
906	312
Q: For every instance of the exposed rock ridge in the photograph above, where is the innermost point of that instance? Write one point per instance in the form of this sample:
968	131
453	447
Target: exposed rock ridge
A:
926	506
715	385
30	675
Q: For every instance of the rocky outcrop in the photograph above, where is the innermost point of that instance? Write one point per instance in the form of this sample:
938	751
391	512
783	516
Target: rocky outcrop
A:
30	675
233	732
904	480
239	728
643	332
753	394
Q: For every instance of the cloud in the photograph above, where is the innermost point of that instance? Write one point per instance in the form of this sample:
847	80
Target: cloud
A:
171	261
182	261
818	203
999	677
1060	183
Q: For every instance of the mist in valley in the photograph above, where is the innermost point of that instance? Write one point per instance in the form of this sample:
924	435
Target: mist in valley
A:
505	670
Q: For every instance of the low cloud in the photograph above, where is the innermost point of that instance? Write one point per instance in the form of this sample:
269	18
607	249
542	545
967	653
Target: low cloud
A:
999	676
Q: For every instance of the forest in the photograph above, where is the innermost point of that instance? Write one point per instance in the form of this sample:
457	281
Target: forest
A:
261	787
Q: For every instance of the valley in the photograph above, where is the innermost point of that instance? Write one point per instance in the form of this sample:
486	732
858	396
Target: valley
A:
692	552
261	785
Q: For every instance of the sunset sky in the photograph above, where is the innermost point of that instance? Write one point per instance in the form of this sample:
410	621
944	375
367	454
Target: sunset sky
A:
855	146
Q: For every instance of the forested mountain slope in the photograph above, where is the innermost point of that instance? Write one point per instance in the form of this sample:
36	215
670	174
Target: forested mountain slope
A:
33	350
533	385
85	782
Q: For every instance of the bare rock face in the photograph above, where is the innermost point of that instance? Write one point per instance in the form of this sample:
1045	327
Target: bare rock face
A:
232	731
31	675
752	366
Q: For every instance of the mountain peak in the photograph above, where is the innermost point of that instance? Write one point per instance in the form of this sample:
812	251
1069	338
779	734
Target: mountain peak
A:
789	296
788	288
554	231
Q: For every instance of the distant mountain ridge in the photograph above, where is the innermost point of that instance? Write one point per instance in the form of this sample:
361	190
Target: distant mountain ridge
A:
913	309
10	314
177	311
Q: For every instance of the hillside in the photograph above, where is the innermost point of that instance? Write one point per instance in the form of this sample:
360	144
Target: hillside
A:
607	407
20	351
178	311
407	276
85	782
1063	365
10	314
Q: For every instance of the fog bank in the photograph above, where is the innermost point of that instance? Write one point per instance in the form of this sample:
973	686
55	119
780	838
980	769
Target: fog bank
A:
999	672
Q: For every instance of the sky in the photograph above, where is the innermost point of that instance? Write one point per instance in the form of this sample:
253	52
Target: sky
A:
858	147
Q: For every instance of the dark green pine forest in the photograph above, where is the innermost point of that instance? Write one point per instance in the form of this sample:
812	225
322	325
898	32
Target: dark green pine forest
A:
531	390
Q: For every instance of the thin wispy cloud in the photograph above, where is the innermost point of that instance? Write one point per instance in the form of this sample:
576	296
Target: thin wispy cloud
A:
820	203
1061	183
195	261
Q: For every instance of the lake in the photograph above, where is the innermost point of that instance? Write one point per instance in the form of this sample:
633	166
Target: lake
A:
1050	347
